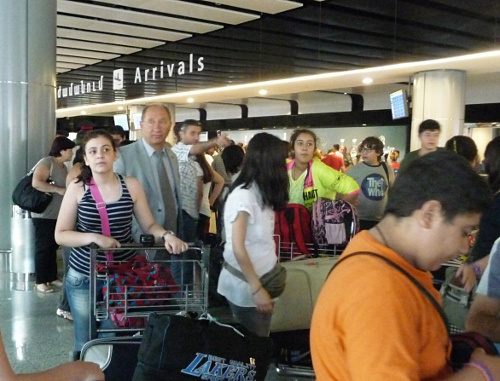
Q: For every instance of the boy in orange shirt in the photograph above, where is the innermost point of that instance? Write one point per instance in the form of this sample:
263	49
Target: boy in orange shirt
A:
370	321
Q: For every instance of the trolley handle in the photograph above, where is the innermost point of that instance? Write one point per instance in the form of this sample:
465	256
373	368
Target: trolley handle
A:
156	246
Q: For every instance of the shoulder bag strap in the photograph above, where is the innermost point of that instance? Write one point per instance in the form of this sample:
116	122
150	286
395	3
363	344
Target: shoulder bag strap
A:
233	270
417	284
32	170
101	208
384	165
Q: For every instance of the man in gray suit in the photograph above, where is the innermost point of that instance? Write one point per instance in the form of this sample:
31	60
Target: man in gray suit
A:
152	162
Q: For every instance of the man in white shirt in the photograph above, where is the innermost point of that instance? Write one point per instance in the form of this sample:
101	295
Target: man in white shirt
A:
186	149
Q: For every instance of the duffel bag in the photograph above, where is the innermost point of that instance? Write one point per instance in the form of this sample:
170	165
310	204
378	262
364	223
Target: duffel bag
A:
135	283
180	348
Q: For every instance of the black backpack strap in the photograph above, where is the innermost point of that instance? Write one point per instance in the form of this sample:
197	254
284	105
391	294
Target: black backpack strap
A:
417	284
384	165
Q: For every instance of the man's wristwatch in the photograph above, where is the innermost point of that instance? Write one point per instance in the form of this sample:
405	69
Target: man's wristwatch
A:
167	232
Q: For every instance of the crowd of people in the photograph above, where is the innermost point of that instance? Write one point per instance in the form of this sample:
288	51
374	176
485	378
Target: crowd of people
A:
173	191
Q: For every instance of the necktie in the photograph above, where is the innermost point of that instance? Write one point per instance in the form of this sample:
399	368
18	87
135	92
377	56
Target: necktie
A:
166	194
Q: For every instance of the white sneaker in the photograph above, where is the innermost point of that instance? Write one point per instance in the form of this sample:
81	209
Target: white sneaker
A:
64	314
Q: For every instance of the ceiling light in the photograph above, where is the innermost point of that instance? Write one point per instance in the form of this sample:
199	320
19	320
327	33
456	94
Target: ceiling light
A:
190	100
120	107
262	92
367	80
83	112
287	85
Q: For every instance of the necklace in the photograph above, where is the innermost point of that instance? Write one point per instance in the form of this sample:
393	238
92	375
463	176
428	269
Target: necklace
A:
382	236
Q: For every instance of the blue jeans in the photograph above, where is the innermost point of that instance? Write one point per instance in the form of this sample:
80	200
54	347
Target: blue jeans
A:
63	300
78	294
182	272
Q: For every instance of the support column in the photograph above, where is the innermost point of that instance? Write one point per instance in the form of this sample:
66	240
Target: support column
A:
27	99
438	95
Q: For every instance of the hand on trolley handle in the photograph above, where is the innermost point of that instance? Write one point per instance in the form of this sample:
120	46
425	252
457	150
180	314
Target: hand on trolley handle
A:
173	244
105	242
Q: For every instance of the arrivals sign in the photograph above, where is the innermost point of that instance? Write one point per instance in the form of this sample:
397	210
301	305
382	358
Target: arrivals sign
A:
80	88
163	71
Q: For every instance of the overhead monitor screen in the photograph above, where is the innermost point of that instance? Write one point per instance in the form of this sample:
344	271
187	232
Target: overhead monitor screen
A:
399	104
121	120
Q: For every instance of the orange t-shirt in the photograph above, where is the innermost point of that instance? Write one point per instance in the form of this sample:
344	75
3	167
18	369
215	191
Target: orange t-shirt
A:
371	323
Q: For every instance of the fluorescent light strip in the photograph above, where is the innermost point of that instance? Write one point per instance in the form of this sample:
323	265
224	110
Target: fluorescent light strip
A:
439	64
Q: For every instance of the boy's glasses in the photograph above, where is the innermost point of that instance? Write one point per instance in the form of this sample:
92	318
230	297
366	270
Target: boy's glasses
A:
367	150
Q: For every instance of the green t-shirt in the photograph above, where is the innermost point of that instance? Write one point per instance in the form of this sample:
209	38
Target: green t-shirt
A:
319	181
410	157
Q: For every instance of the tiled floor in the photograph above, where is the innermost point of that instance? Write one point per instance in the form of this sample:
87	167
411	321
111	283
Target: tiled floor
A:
34	336
36	339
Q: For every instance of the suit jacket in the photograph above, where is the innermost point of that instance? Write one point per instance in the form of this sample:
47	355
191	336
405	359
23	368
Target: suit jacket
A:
133	161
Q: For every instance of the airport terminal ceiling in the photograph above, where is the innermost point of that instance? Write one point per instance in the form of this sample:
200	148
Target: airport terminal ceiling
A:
169	46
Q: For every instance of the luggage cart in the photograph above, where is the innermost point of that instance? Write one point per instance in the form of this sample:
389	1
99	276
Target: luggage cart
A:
288	251
135	303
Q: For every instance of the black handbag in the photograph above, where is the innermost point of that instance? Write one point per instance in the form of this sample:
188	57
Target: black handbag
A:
180	348
29	198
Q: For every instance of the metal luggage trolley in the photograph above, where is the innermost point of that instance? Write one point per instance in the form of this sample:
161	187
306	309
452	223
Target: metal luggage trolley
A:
168	299
288	251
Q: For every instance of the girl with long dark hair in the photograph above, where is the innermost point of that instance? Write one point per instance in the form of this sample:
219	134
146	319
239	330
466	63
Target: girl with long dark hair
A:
259	190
